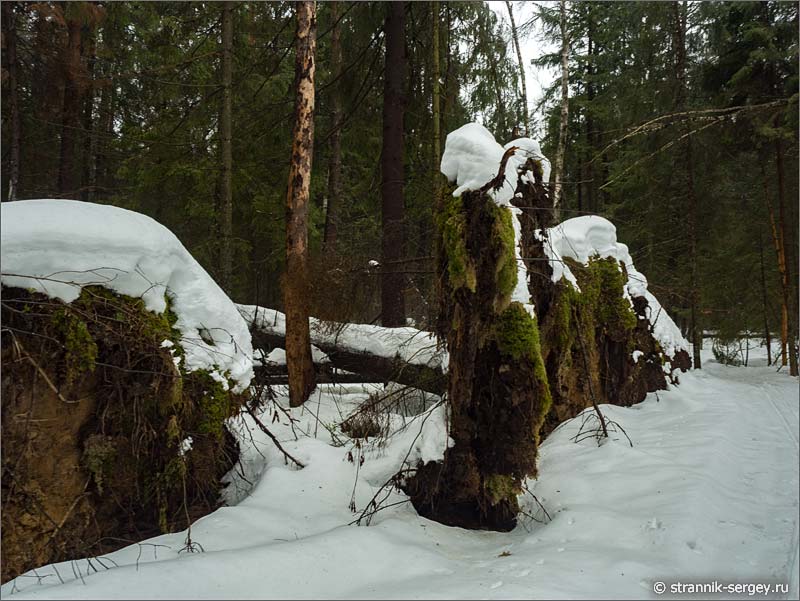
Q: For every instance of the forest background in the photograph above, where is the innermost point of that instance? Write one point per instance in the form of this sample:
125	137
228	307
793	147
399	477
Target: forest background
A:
682	129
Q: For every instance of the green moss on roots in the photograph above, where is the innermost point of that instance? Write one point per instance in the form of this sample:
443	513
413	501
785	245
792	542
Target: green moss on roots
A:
503	241
452	224
502	487
215	404
80	349
516	333
602	283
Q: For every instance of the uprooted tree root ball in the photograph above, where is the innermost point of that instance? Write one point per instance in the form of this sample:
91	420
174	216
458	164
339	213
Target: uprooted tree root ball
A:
107	440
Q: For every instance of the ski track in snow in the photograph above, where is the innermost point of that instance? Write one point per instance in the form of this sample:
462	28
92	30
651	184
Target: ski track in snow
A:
709	491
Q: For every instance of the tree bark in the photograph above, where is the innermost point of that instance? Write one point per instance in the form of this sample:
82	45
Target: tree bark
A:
591	193
89	145
789	298
10	33
296	285
680	15
764	300
335	168
104	142
393	310
523	85
70	109
780	251
225	130
558	172
436	74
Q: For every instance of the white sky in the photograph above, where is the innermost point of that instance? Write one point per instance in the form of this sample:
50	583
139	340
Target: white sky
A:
531	46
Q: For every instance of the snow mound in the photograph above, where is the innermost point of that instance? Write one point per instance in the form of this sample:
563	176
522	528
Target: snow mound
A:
57	247
582	238
472	158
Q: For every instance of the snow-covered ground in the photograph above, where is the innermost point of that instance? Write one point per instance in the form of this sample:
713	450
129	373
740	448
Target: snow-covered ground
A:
708	492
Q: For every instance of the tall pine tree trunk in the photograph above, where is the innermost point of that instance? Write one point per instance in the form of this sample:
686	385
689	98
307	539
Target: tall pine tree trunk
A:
89	145
764	300
523	85
780	251
790	310
436	75
104	141
558	172
225	130
335	167
10	34
296	286
591	186
679	39
71	106
393	310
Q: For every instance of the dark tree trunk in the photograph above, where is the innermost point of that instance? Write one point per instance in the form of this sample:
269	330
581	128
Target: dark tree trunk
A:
225	131
591	194
764	300
558	171
89	138
296	285
790	300
436	75
679	42
104	141
780	252
335	167
71	107
393	310
10	34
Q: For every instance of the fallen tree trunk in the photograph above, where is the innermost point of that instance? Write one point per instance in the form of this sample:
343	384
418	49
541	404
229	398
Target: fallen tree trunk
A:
404	355
278	376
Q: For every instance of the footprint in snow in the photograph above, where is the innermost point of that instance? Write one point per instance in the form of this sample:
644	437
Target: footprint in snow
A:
497	584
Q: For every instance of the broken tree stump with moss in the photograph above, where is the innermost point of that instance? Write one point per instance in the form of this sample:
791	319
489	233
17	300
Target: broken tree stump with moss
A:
497	385
523	359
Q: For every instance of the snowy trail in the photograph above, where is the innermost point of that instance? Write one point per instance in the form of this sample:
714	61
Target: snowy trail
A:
708	492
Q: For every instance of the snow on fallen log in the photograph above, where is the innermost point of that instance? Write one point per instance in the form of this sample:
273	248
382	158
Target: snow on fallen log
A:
589	236
57	247
404	355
